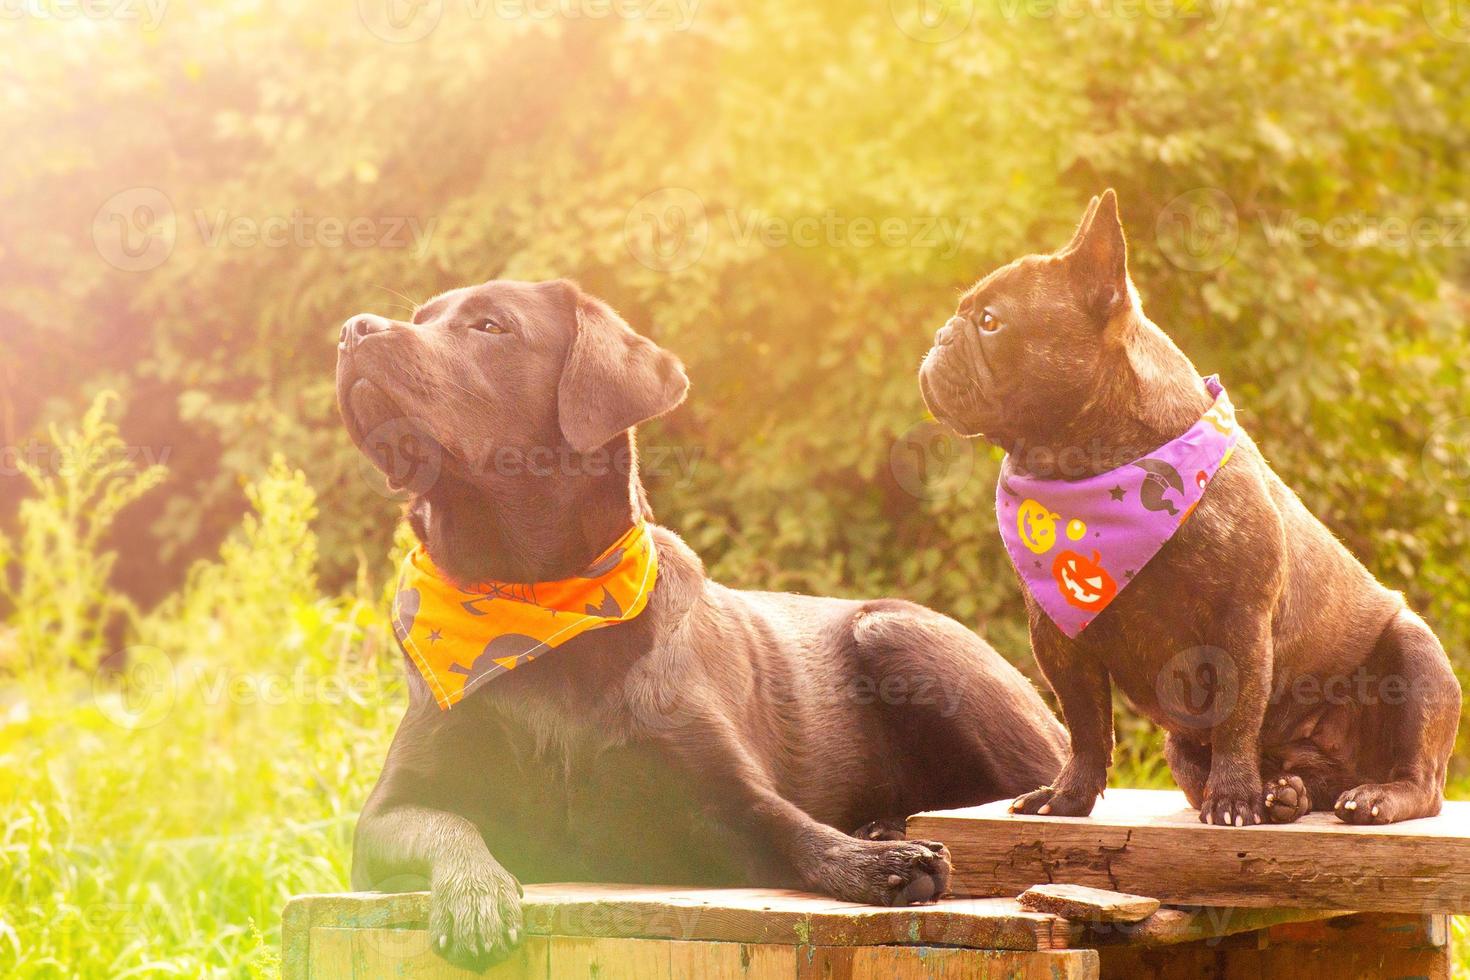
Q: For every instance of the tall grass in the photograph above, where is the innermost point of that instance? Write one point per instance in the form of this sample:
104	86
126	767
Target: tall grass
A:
153	823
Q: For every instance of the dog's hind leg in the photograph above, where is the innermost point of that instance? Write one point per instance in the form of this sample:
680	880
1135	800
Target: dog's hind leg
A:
818	857
1296	777
1408	727
968	726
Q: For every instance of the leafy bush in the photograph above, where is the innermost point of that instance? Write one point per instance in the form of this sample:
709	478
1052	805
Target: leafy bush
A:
153	824
727	191
61	591
726	186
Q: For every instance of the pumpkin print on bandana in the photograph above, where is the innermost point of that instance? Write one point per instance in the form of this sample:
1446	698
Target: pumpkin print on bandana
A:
1076	544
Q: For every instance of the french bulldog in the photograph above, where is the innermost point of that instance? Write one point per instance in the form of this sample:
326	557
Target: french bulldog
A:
1306	683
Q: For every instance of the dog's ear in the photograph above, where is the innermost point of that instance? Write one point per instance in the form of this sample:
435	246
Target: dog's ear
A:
1082	225
614	379
1098	257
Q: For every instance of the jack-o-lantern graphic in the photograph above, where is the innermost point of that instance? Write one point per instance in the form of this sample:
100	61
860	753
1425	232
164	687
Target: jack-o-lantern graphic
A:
1037	526
1083	582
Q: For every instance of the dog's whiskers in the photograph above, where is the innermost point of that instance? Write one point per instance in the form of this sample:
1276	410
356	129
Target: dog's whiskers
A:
413	303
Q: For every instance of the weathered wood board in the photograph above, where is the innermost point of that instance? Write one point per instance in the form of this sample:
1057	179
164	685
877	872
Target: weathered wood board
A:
1150	842
614	931
1361	947
1081	903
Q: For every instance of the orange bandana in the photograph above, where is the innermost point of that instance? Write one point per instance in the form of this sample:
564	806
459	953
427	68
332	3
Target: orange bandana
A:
460	638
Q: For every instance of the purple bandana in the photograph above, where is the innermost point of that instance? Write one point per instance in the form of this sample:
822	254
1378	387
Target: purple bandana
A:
1078	543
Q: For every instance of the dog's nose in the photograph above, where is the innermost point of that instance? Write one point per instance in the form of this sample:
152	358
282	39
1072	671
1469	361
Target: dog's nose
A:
947	333
360	326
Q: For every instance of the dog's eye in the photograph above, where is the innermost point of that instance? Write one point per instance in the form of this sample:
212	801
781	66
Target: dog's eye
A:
988	322
490	326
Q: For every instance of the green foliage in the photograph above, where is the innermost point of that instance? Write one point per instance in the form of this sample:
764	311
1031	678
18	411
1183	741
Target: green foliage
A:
61	593
154	824
980	143
712	183
265	570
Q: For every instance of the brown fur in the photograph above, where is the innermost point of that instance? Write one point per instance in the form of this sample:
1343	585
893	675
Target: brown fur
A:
720	737
1308	658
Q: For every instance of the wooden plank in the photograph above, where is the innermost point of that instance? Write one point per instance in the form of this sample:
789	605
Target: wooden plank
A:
742	915
1093	905
1383	930
1274	955
577	958
759	916
943	963
779	916
1174	927
366	954
731	961
1338	962
1192	962
1150	841
296	939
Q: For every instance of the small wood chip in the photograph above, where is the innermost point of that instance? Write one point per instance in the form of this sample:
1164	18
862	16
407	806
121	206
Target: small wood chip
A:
1078	902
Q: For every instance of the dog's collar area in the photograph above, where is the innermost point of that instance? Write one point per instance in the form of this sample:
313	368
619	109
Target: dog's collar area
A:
1076	544
459	637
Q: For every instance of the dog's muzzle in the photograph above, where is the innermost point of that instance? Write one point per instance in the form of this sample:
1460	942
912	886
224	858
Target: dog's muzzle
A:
360	326
946	334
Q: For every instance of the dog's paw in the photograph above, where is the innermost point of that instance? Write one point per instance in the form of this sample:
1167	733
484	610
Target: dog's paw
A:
885	829
1230	805
1371	803
887	872
1286	799
1048	801
474	915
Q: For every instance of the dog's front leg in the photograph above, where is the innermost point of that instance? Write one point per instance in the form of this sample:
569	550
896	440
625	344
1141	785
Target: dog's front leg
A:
1233	792
474	903
821	858
1085	694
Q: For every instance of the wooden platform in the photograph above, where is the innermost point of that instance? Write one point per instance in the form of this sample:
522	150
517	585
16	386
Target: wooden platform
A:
641	933
1316	899
610	932
1150	842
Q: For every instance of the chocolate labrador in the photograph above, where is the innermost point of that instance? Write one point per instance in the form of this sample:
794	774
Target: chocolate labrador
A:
1286	676
718	737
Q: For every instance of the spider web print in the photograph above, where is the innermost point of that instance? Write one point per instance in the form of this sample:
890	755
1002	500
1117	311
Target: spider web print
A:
511	592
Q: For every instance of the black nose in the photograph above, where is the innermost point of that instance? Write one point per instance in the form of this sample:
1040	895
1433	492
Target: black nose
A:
947	333
360	326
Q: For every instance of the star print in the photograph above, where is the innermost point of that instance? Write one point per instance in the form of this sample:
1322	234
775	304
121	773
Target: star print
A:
1117	493
435	636
1128	573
